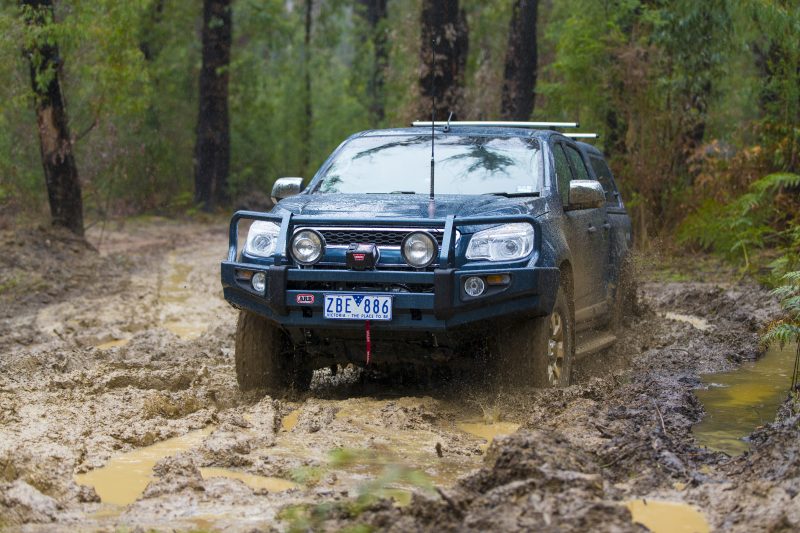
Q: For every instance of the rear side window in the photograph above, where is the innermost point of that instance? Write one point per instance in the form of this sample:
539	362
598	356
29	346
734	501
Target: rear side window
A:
604	176
563	172
581	172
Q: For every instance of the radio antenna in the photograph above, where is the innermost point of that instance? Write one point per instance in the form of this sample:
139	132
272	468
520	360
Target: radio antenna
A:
431	208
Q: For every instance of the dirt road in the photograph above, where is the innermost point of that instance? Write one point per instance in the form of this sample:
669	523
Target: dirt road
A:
119	408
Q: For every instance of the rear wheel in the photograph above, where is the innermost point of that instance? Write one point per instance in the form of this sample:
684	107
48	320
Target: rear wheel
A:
265	358
624	294
537	351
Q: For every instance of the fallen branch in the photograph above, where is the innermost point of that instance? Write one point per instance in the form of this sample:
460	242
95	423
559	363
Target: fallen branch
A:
660	417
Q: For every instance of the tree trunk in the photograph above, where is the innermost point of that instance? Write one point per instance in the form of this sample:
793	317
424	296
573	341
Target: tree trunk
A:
60	171
519	80
308	110
213	148
445	22
374	12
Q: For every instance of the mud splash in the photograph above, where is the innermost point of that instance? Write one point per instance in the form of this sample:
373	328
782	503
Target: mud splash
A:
738	402
667	517
123	479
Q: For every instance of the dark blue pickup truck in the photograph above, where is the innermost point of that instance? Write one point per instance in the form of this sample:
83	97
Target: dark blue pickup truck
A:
518	244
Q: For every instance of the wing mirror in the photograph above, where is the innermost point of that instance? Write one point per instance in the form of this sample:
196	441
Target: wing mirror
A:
286	187
585	194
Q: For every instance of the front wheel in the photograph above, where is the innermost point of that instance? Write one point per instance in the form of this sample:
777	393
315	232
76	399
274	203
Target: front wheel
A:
537	351
265	357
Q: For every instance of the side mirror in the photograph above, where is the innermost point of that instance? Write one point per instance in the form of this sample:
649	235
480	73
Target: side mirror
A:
585	194
286	187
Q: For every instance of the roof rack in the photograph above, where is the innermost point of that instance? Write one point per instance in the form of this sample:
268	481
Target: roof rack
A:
497	124
582	135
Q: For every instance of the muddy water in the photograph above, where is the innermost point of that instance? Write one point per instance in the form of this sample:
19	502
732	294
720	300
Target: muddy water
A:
271	484
123	479
739	401
667	517
700	323
488	431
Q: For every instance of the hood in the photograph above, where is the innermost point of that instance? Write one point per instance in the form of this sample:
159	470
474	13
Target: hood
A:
407	205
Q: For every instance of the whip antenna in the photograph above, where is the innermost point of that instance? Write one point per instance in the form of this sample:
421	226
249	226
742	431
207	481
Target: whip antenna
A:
433	120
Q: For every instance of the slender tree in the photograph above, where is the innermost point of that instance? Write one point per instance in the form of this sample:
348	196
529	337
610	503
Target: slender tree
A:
374	13
444	22
58	160
519	80
212	150
308	110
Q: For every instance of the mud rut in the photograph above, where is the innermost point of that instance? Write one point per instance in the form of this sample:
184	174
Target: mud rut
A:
85	381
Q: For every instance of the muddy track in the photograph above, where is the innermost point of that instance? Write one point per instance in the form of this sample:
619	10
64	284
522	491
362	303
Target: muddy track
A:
132	364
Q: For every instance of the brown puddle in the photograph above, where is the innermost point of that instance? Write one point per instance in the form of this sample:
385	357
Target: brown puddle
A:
737	402
695	321
488	431
290	421
123	479
271	484
175	296
667	517
112	344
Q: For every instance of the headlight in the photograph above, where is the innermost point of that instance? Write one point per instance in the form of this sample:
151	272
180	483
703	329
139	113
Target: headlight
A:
262	238
307	246
419	249
503	243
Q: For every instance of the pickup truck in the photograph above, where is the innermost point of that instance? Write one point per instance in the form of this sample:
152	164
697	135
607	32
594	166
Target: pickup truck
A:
497	249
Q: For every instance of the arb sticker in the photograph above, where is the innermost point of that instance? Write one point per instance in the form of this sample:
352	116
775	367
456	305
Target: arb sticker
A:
305	298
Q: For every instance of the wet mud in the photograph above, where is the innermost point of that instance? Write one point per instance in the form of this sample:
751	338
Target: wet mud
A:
119	410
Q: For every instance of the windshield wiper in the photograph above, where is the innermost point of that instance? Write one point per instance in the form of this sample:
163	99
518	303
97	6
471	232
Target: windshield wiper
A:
394	192
512	194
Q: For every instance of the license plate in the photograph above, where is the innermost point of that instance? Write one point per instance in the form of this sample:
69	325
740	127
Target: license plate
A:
358	307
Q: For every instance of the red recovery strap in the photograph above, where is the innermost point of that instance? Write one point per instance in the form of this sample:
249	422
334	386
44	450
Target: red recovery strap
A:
369	342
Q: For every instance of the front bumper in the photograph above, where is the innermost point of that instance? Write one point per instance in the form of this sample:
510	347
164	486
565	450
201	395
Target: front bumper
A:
441	304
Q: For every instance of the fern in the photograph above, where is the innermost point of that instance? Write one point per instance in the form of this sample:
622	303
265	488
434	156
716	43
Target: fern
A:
749	222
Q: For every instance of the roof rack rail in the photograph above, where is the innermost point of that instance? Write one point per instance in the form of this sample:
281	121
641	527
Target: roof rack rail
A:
582	135
497	124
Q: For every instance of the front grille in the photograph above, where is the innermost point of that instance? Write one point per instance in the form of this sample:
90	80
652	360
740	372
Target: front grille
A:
380	237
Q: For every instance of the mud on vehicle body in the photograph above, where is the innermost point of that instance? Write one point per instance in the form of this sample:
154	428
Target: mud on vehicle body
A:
523	247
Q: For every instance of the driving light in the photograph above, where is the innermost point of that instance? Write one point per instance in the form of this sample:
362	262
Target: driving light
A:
419	249
474	286
503	243
259	282
262	238
307	247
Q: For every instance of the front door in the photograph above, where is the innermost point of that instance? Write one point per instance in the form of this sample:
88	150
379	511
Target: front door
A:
588	237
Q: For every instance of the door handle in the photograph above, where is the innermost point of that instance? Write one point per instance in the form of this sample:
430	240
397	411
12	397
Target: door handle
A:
606	226
592	229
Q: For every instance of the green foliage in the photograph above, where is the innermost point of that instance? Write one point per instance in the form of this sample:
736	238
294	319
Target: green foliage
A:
751	221
386	484
788	329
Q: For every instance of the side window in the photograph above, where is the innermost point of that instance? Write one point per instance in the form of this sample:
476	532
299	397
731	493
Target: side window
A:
604	176
563	172
575	159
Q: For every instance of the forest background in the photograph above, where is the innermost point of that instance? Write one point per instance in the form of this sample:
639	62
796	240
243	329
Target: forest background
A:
697	103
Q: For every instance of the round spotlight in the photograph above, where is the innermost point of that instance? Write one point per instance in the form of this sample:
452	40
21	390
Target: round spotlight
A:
307	247
419	249
259	282
474	286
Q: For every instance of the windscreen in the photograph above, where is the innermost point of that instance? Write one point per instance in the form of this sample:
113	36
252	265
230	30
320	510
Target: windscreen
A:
464	165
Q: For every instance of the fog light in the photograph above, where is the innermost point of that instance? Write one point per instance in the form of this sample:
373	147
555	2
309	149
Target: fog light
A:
474	286
259	282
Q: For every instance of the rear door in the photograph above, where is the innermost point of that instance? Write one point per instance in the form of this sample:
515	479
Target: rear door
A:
587	232
620	231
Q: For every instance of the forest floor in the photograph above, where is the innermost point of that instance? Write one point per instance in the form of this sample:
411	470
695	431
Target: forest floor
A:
116	372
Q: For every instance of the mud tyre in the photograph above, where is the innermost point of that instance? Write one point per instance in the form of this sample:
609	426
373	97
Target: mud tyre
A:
625	301
537	352
265	358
